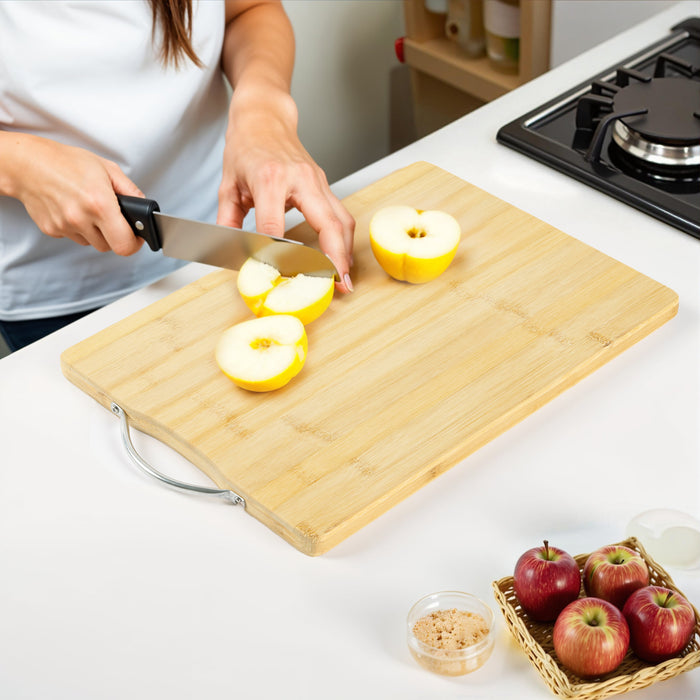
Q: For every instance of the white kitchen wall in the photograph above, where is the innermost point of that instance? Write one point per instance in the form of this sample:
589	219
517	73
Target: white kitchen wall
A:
579	25
346	71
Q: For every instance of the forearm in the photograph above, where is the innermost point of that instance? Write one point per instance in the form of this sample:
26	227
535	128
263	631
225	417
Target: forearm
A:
258	50
13	148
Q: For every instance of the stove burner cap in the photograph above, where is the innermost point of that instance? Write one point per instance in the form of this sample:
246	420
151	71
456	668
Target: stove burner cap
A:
669	133
636	145
670	103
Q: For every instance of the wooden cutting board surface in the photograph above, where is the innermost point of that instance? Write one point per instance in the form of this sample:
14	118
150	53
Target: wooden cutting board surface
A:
402	381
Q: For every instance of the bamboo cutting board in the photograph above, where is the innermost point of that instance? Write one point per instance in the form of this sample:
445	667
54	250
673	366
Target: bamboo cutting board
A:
401	382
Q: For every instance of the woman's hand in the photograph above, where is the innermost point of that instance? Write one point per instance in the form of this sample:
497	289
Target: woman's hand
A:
266	167
69	192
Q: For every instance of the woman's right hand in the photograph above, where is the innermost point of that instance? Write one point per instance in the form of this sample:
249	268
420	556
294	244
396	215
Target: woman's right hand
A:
69	192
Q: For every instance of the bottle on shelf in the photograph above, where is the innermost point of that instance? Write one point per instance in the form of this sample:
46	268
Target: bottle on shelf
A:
436	6
502	23
465	26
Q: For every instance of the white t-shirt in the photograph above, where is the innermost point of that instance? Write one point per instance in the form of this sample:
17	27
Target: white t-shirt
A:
87	73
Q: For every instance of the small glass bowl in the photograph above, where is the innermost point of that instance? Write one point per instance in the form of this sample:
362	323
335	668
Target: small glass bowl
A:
450	662
672	537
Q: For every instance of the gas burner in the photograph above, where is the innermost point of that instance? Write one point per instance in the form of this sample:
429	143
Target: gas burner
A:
632	131
655	120
670	178
654	151
668	133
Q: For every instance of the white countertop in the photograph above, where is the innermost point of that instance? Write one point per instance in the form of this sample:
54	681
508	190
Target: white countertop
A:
113	586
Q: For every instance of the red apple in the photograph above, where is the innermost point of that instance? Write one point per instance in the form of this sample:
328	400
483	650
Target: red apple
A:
661	623
591	637
546	580
613	573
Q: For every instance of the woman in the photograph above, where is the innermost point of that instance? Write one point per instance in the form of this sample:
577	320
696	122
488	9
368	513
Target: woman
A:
106	97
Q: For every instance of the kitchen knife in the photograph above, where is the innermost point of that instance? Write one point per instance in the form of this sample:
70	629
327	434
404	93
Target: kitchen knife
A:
221	246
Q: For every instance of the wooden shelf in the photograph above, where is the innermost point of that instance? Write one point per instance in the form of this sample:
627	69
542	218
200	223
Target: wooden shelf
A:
445	60
447	82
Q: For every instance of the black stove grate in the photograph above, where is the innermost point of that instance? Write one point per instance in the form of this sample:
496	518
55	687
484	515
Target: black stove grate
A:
632	131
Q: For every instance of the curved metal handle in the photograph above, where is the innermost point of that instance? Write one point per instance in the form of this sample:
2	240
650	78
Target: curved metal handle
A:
142	464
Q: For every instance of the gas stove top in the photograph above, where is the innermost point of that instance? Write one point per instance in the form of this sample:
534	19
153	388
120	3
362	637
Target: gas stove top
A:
632	131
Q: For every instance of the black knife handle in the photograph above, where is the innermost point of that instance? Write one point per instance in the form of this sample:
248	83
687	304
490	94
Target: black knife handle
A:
138	211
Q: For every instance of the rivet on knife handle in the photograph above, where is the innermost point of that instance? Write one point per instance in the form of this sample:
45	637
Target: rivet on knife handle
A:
144	466
138	211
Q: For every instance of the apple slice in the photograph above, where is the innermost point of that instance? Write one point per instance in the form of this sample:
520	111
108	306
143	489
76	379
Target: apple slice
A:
413	245
266	292
263	354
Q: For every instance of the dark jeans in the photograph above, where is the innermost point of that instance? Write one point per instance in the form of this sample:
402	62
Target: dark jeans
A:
17	334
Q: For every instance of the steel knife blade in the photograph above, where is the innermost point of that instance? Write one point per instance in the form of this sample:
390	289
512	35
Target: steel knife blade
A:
222	246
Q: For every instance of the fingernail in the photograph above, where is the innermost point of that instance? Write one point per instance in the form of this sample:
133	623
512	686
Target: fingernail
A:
348	282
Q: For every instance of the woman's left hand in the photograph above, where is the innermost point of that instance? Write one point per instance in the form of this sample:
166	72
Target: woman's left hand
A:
266	167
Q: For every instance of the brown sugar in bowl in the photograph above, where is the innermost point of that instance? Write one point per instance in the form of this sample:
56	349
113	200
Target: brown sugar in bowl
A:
450	633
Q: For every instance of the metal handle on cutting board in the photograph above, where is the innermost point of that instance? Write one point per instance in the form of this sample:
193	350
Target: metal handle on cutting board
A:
145	467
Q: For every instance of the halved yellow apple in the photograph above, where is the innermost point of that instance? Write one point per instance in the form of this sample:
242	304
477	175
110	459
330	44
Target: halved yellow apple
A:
263	354
413	245
266	292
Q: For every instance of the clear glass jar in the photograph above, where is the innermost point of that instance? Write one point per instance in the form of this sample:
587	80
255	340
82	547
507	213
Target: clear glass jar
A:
451	662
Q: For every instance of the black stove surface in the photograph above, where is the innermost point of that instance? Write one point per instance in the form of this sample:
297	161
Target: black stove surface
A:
583	132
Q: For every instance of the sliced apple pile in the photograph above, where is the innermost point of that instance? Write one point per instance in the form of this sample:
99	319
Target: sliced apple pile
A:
413	245
266	292
263	354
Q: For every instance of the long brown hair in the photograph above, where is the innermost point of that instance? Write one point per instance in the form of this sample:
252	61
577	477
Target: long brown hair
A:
175	20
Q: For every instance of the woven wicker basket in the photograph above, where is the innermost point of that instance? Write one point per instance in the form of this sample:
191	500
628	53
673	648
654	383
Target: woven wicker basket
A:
535	638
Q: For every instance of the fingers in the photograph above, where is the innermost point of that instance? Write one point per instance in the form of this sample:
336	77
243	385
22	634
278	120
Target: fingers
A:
77	238
96	239
116	232
120	182
70	193
334	224
97	222
232	208
335	230
112	226
84	222
270	195
275	189
347	222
